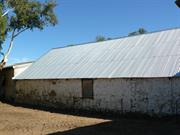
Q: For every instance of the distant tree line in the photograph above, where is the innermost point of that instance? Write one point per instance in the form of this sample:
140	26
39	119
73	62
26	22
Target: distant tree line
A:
134	33
138	32
101	38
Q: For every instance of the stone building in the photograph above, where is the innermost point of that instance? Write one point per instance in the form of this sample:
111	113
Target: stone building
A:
130	74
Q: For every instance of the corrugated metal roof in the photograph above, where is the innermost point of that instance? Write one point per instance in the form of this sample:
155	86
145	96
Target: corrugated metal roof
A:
149	55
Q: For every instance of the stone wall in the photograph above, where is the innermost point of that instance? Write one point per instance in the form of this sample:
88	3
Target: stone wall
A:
150	96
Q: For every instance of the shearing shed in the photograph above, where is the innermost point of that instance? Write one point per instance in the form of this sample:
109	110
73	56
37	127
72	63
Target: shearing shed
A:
131	74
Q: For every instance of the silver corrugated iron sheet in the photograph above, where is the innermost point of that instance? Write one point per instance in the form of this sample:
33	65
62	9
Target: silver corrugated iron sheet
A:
149	55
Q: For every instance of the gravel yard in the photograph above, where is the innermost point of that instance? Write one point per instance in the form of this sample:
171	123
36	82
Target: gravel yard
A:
23	121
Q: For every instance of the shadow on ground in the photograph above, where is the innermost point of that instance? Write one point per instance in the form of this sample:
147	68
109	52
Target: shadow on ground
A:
126	127
119	125
86	113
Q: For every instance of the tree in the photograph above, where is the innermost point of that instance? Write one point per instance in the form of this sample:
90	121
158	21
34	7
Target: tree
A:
142	31
18	16
100	38
138	32
70	45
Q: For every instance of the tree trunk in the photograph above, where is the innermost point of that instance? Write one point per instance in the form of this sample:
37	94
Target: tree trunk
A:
5	57
2	64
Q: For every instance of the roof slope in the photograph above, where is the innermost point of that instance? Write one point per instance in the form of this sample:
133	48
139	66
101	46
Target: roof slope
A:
149	55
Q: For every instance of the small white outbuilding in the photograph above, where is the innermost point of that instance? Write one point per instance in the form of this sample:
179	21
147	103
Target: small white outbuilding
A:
130	74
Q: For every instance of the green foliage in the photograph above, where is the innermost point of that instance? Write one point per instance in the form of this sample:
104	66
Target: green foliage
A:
138	32
70	45
3	26
31	14
109	38
25	15
101	38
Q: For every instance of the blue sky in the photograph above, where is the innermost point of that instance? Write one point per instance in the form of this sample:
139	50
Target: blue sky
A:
82	20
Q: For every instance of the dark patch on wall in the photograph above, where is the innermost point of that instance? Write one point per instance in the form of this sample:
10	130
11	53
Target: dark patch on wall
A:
52	93
53	82
7	85
121	102
87	88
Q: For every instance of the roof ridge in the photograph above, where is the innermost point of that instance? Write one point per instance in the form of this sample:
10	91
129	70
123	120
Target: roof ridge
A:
94	42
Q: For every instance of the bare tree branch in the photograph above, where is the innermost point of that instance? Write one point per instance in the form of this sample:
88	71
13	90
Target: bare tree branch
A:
5	13
20	32
10	46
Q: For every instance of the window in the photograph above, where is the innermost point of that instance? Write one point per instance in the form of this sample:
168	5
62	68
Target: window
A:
87	88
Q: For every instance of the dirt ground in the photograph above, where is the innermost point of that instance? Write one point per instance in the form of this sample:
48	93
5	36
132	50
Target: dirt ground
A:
24	121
